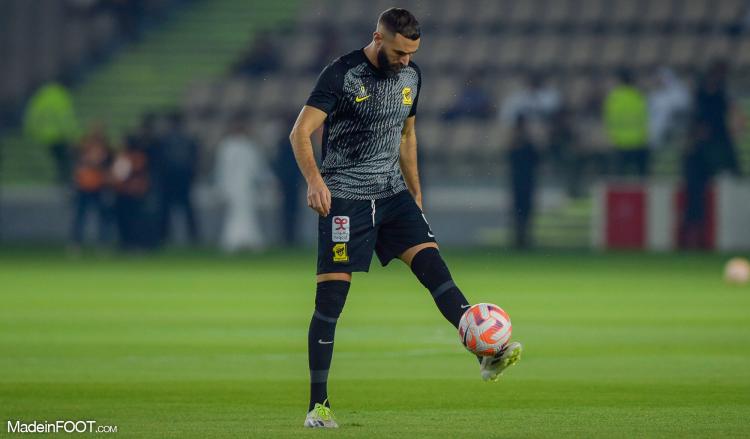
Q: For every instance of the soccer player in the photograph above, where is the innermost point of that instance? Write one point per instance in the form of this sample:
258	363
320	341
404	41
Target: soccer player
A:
367	190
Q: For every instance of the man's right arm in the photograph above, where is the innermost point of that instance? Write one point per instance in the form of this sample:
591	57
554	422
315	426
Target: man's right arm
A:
309	120
322	101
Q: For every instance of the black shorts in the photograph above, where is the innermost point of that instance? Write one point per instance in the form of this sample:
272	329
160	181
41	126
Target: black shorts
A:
354	228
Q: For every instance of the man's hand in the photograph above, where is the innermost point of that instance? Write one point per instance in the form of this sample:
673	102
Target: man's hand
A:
319	197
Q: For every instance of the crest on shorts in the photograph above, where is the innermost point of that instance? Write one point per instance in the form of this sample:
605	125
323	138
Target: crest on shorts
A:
339	253
340	229
406	93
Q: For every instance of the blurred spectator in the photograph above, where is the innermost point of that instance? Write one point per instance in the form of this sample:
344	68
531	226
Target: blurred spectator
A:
563	148
523	160
240	169
179	161
263	57
714	111
668	98
535	100
626	121
50	120
291	180
150	141
89	179
131	183
697	175
474	102
592	104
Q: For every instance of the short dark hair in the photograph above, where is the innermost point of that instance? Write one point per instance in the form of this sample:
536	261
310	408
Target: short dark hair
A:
400	21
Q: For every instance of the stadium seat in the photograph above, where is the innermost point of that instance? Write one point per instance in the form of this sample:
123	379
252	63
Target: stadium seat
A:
270	95
580	50
301	52
441	95
648	50
430	136
348	12
236	96
727	12
523	13
657	13
616	49
692	12
490	13
468	139
742	59
498	137
624	12
505	85
715	47
201	96
577	90
300	89
547	52
682	50
445	50
558	13
476	51
589	12
511	51
314	13
593	137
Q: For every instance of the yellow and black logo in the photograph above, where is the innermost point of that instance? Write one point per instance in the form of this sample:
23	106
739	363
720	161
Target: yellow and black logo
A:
406	93
339	253
363	96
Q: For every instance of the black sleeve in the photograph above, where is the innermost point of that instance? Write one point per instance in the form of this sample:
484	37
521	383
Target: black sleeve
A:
413	111
328	89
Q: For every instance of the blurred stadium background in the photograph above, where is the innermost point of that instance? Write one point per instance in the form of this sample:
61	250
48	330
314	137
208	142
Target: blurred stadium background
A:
129	65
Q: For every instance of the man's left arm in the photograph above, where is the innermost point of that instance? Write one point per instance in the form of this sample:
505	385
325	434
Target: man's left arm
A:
408	160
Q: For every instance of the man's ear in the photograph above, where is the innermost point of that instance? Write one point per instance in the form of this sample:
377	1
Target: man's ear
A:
377	37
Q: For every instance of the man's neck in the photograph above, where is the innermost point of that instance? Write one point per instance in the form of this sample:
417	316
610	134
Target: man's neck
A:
372	54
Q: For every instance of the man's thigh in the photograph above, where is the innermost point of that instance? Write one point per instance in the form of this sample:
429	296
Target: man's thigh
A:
404	226
346	237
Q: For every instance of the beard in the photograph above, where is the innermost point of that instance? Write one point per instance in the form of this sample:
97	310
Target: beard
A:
385	66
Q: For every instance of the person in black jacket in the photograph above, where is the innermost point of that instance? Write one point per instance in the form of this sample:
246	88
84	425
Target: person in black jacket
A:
179	162
523	159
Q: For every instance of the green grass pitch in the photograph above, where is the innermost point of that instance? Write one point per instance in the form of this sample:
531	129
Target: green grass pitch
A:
199	345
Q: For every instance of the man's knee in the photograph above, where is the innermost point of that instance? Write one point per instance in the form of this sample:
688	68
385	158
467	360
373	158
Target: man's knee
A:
408	255
334	276
330	298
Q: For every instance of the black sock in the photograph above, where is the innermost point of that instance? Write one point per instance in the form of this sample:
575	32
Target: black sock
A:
329	301
319	357
432	272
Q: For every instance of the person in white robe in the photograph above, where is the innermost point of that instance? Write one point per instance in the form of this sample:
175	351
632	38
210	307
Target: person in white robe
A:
242	174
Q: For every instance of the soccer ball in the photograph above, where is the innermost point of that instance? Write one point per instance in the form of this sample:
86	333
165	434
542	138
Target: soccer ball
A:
484	329
737	271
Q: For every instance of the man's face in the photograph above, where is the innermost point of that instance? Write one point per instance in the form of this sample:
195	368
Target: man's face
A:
394	52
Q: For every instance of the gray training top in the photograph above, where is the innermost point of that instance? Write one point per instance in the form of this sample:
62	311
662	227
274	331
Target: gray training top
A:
362	133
